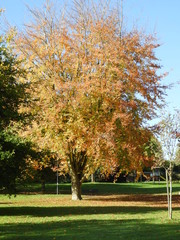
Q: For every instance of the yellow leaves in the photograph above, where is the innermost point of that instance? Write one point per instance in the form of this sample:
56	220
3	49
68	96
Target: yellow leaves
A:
2	10
84	79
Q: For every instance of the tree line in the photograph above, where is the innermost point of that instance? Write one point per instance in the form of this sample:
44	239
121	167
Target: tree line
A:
77	88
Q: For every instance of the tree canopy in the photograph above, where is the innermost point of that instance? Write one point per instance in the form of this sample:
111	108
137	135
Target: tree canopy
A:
12	90
14	150
94	86
14	153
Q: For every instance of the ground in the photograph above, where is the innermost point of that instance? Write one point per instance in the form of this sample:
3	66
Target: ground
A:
107	212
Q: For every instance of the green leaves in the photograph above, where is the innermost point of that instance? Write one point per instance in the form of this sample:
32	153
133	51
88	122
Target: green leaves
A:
14	150
13	154
12	90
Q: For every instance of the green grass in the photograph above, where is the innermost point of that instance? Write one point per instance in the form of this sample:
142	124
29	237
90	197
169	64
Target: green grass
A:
105	188
129	188
49	216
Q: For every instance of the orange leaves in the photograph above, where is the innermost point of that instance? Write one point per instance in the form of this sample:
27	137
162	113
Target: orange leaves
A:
85	78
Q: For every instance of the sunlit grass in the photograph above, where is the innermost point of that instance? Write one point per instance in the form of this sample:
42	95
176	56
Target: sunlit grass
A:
115	215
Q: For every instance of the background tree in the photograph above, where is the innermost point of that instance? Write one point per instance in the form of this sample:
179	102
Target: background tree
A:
14	153
14	150
11	89
94	86
169	129
43	167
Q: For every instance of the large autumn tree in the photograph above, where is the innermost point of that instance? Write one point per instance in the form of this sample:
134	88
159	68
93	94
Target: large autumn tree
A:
93	86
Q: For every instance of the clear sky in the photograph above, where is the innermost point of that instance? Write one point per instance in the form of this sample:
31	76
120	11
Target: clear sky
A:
160	16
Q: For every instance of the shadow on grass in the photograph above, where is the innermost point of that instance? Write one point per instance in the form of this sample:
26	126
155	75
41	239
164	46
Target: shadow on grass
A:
103	188
126	188
135	229
71	211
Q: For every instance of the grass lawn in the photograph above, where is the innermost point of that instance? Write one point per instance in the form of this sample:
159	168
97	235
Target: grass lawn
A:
107	211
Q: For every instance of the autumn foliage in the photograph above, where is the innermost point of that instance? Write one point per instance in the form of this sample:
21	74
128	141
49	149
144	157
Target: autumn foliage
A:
93	86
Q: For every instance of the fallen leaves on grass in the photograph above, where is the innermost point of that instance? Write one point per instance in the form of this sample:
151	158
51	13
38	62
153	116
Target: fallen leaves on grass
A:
105	200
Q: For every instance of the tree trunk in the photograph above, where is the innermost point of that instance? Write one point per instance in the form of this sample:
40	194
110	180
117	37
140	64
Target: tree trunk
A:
76	186
77	163
167	186
43	182
93	177
57	182
170	198
43	186
170	195
153	176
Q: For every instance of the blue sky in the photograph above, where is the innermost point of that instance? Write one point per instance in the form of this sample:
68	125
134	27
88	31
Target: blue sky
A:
160	16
